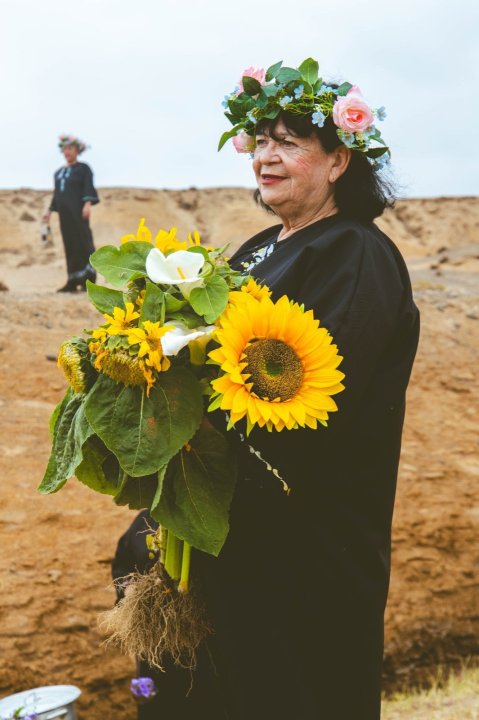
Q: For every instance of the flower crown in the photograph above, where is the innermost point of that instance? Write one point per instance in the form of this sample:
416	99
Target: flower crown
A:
263	95
65	140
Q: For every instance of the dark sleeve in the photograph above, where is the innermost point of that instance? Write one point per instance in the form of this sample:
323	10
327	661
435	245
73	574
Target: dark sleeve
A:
53	205
89	192
132	553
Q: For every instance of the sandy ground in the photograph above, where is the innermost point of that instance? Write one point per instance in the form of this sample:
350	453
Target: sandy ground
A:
56	550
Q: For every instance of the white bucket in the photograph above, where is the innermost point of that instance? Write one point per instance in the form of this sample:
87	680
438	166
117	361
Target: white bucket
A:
49	702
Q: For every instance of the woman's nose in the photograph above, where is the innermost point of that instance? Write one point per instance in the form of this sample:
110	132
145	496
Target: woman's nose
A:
268	152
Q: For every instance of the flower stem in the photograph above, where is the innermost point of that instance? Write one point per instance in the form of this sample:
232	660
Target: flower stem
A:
185	568
163	537
173	556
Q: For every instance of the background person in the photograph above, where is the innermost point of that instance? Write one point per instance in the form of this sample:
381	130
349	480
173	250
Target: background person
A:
73	198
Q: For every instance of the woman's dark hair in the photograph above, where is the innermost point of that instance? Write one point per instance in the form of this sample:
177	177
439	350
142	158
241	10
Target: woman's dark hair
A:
360	193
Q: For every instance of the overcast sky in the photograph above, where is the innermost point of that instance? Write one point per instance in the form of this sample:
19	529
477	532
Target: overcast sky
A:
142	82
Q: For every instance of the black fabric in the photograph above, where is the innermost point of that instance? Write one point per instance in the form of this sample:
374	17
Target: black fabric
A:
297	595
73	187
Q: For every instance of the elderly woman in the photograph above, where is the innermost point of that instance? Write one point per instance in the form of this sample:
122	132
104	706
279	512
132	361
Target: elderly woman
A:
298	593
73	198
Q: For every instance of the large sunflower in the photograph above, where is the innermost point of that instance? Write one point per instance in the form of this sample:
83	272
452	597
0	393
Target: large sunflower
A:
279	368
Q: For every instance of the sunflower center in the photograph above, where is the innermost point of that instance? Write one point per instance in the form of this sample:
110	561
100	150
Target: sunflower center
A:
275	369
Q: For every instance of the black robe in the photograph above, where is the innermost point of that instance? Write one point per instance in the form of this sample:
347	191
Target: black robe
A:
73	188
297	595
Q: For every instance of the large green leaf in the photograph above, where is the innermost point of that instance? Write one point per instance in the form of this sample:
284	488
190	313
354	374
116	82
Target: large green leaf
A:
145	432
344	88
309	69
153	307
210	300
71	432
103	298
196	494
137	492
58	411
96	470
119	265
286	75
227	135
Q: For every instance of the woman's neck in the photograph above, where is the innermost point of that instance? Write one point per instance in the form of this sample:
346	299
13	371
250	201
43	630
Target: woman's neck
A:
292	225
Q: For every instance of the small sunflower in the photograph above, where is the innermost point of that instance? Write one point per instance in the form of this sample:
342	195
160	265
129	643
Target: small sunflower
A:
73	361
279	368
149	339
143	234
250	289
120	322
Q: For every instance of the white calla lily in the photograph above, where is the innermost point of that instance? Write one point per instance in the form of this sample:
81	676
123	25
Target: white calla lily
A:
180	268
180	336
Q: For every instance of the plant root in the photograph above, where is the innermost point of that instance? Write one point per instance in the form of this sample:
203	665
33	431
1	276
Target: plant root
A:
156	623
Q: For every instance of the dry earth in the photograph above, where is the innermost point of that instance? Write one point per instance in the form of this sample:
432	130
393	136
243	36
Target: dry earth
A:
56	551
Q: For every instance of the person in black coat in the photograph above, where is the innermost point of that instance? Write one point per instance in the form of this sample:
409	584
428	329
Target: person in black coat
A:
73	198
297	595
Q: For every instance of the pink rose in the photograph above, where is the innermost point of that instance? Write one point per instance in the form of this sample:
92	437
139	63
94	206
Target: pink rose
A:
351	112
243	142
257	73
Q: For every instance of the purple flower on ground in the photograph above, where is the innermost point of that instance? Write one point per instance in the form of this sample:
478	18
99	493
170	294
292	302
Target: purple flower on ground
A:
143	688
31	716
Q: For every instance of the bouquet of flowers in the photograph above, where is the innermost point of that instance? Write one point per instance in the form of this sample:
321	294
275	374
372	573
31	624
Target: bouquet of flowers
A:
134	422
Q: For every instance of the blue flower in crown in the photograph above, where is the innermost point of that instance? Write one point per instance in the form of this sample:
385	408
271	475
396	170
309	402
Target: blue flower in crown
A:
225	101
298	92
285	101
382	161
381	113
318	118
251	118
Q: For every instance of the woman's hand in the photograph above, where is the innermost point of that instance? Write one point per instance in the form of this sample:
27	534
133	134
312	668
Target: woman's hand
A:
85	213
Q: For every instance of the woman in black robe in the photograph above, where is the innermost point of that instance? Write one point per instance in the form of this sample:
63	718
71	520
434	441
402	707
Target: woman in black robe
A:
298	592
73	198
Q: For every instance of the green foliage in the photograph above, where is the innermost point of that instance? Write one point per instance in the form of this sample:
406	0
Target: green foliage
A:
273	70
120	265
309	69
70	433
153	307
144	432
287	75
137	492
210	300
196	492
98	469
103	298
344	88
251	85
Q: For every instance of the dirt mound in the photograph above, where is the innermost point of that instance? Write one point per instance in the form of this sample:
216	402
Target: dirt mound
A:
56	568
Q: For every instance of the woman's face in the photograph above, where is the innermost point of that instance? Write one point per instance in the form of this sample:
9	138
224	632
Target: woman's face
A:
71	153
295	174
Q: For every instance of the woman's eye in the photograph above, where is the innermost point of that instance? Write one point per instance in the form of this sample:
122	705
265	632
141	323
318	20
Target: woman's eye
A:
287	143
260	142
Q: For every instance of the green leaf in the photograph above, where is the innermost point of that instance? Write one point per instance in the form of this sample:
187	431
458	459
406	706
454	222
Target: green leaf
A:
103	298
94	470
196	493
268	91
137	492
153	307
210	300
226	136
144	433
344	88
120	265
309	69
273	70
58	410
71	432
173	304
273	113
251	85
376	152
287	75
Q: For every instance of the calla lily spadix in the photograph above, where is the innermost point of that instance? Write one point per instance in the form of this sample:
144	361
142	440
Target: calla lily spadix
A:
179	268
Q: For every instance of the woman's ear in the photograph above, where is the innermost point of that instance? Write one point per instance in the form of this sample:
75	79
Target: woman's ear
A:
342	157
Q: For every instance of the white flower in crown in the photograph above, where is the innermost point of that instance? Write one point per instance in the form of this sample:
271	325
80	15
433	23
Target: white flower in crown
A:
179	268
